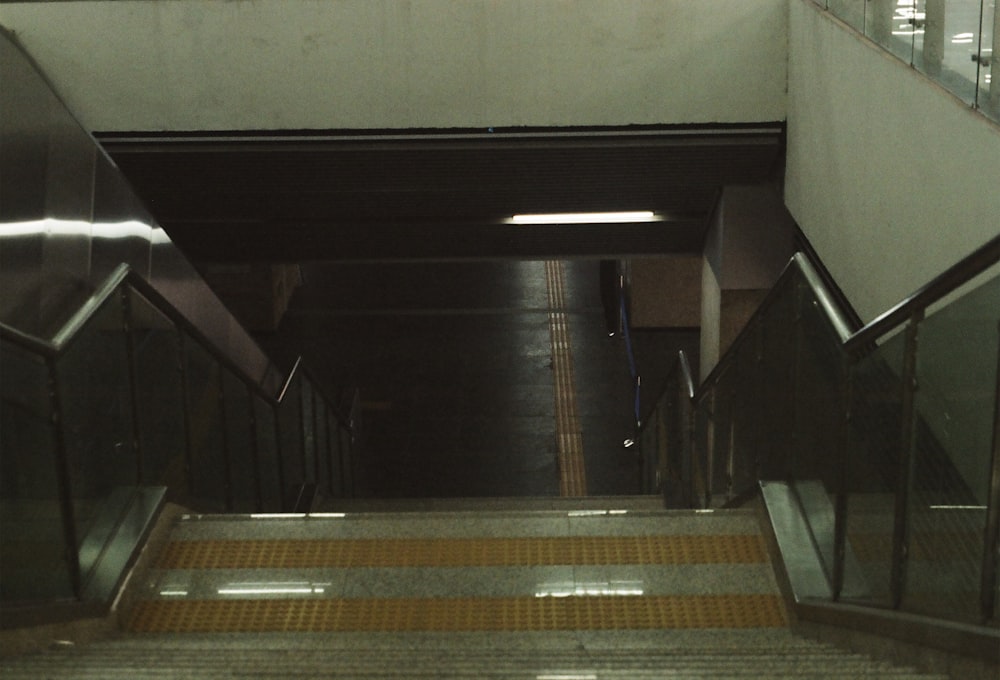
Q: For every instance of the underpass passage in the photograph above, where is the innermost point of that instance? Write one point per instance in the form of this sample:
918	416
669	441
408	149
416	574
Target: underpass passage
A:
454	362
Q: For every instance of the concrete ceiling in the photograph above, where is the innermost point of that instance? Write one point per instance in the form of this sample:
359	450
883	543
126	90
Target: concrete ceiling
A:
439	195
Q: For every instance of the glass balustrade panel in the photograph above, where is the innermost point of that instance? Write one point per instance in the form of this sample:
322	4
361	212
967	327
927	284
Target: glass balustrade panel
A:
872	478
268	457
755	382
335	475
721	436
777	411
894	25
320	410
241	445
310	461
33	551
349	463
95	393
159	395
815	469
746	425
952	453
819	398
988	59
290	428
945	41
208	478
648	451
851	12
703	447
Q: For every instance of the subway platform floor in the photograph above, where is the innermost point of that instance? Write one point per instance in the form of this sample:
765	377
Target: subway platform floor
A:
455	366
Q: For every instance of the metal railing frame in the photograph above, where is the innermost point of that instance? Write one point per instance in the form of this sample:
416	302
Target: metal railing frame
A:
119	283
857	343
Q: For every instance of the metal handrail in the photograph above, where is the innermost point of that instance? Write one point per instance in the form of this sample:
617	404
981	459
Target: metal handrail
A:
940	286
855	345
123	274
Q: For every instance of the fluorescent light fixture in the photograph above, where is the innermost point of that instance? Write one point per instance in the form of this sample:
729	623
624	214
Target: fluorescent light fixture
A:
958	507
595	513
288	588
266	591
327	515
278	515
587	218
601	589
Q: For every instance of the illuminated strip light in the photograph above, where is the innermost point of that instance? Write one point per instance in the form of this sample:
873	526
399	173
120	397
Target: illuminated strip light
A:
958	507
588	218
291	589
591	590
298	515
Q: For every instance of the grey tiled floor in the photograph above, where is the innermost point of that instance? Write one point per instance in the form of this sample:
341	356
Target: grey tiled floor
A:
454	364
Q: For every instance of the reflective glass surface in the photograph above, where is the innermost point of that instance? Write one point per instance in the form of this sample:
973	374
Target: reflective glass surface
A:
267	455
722	434
95	393
240	443
290	429
778	358
32	537
950	41
949	484
989	62
310	461
703	433
208	475
892	25
323	454
348	461
819	406
873	470
852	12
159	394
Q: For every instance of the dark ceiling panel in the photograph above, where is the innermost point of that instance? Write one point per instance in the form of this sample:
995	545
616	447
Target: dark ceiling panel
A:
229	197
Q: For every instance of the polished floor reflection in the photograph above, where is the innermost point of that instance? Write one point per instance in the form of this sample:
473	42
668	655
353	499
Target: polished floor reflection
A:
617	569
454	362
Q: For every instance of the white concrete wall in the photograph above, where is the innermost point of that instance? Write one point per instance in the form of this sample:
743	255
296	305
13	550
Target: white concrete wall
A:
275	64
891	178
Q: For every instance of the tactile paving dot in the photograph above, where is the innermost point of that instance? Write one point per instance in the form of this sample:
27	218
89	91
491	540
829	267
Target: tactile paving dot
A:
580	550
460	614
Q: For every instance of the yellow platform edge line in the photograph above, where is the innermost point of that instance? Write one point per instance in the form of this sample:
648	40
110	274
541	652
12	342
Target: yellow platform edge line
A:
460	614
465	552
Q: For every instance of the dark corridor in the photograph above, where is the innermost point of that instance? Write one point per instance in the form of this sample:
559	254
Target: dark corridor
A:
454	366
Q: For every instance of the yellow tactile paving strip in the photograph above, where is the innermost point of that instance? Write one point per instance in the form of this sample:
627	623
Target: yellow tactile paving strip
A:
572	473
460	614
464	552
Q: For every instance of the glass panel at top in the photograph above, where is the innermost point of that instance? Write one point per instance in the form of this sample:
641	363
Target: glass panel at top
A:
946	39
893	25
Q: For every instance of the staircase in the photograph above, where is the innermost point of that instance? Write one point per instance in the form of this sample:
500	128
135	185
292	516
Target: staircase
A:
576	593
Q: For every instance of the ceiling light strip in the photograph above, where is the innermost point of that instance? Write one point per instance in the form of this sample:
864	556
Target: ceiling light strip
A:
627	217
